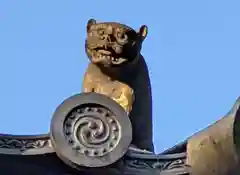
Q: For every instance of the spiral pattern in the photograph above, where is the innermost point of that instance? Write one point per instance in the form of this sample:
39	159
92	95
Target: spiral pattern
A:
92	131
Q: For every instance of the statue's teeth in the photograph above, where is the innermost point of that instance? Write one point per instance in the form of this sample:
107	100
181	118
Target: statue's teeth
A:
105	52
114	59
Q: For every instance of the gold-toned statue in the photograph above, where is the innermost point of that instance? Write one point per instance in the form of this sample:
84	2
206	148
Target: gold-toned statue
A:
118	70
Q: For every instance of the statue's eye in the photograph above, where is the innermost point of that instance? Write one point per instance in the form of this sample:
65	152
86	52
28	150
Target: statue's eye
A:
122	36
101	32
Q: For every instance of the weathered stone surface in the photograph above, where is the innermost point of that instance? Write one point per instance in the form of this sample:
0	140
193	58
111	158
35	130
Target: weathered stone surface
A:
213	151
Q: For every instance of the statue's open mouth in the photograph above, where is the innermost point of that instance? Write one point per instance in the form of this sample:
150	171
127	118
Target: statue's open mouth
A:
109	54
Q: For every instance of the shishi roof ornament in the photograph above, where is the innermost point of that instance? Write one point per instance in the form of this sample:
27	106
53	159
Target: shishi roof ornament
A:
107	128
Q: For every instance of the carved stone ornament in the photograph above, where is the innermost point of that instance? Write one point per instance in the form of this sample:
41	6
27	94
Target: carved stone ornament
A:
90	130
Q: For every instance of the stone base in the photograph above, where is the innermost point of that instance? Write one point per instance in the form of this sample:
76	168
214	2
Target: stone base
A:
89	134
35	155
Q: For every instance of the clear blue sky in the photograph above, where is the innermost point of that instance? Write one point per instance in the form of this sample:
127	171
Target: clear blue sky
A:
192	51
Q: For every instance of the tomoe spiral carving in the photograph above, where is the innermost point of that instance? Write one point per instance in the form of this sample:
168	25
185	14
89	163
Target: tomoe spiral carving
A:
92	131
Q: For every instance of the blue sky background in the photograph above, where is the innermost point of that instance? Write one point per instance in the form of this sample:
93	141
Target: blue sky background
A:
192	51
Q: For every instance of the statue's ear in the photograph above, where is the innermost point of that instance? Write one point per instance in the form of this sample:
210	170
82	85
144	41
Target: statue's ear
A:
143	31
90	23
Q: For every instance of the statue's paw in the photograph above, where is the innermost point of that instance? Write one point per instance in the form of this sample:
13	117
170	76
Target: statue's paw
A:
123	102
